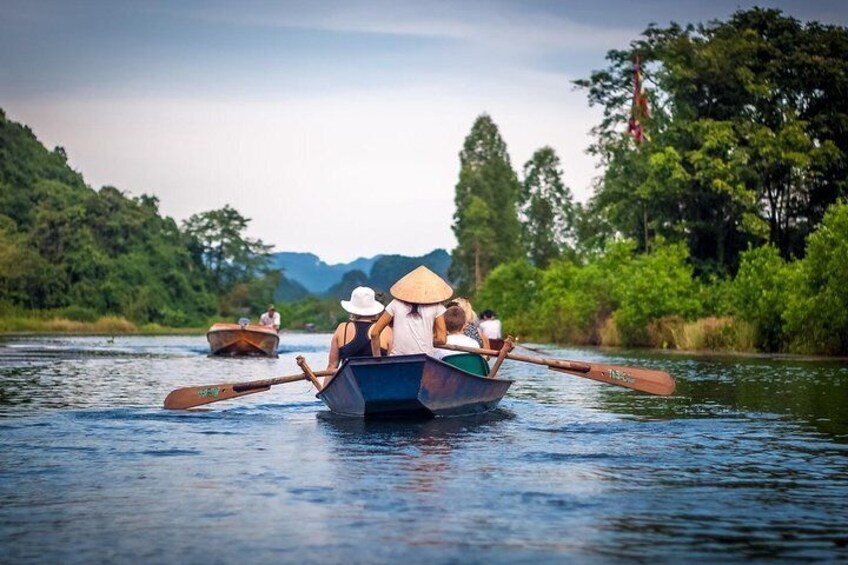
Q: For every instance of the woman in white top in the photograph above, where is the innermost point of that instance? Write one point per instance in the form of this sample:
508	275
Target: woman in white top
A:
416	313
490	325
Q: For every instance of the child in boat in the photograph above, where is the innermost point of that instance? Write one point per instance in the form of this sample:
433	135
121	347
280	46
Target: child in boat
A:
351	338
471	328
416	313
455	324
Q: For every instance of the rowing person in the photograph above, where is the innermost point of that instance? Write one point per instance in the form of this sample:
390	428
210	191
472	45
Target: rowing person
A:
416	314
351	338
271	318
490	325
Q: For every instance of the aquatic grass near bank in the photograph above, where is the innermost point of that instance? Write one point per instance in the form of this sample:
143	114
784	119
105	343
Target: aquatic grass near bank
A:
113	325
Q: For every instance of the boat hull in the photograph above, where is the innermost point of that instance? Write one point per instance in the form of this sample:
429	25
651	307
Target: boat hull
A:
409	386
234	340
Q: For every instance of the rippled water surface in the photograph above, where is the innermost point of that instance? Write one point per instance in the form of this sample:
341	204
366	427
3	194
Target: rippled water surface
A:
747	462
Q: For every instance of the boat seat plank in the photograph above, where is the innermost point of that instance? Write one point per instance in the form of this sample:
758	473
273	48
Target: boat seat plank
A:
469	362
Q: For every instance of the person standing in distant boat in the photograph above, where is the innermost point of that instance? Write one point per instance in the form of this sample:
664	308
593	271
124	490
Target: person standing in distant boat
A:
351	338
416	313
270	318
490	325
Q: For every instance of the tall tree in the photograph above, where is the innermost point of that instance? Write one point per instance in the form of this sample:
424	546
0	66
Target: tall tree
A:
747	134
227	252
486	220
546	209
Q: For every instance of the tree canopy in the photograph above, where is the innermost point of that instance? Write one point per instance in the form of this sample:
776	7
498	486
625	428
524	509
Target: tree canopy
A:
546	208
67	247
486	220
747	135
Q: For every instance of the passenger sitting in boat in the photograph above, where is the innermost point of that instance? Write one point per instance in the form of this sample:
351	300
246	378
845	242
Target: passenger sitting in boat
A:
471	328
454	324
416	313
351	338
270	318
490	325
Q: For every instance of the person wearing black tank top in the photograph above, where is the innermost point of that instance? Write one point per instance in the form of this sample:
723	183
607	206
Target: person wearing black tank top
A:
351	338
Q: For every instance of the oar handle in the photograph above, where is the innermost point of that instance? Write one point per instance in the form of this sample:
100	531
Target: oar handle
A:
265	383
301	362
548	362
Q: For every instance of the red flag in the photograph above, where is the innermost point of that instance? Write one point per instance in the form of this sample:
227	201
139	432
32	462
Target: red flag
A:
639	110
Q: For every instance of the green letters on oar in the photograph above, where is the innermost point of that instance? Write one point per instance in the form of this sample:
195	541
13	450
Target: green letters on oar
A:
189	397
643	380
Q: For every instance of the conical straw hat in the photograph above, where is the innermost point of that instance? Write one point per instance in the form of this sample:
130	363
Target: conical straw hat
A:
422	286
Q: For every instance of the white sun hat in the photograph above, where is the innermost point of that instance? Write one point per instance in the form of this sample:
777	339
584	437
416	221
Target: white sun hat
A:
362	302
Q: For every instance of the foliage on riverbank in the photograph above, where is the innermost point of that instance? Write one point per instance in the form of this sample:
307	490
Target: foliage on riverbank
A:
318	314
105	325
65	245
621	297
718	223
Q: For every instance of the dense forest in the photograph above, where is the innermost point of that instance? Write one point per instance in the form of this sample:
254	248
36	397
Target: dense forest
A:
720	220
71	252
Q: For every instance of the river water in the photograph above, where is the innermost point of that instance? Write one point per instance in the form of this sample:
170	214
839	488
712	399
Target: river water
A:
748	462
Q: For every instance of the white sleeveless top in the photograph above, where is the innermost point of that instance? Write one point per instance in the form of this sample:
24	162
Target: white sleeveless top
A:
413	334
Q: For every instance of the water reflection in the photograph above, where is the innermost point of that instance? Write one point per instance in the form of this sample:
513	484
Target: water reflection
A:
815	393
423	448
748	461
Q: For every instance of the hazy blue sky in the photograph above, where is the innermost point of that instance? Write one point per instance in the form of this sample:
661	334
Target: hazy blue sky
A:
317	119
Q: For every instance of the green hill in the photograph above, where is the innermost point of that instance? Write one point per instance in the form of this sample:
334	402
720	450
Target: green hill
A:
64	245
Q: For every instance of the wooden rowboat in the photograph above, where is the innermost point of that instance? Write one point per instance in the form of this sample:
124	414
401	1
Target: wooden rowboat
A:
409	386
243	340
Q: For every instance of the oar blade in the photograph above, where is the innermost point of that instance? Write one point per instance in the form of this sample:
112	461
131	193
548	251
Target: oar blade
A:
192	396
643	380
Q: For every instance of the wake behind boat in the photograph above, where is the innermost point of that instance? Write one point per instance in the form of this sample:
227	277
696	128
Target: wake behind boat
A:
243	340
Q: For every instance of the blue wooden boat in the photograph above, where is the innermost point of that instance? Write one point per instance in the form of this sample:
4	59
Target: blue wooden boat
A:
409	386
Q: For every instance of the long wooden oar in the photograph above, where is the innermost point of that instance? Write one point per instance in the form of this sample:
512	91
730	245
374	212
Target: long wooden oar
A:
191	396
643	380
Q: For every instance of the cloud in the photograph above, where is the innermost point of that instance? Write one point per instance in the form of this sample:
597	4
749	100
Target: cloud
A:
313	170
505	26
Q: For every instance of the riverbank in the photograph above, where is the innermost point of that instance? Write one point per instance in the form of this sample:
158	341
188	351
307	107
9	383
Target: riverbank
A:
719	334
105	325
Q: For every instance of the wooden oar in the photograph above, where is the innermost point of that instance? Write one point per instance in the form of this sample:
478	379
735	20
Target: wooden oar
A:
643	380
191	396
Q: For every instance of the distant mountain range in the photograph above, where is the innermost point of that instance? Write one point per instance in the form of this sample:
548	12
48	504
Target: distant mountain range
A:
314	276
312	273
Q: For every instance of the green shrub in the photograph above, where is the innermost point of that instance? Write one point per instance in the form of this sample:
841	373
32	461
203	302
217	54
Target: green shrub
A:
817	311
760	292
511	290
657	285
324	314
78	313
